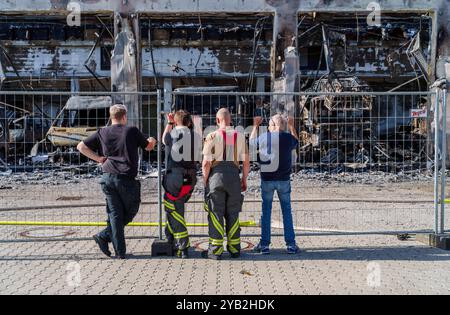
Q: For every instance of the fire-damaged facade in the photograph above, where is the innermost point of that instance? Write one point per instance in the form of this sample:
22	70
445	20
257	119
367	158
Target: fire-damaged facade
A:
280	46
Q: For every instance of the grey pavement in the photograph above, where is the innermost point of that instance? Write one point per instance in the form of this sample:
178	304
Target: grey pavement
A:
327	265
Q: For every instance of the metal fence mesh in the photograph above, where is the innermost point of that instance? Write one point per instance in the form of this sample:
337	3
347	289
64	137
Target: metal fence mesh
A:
364	164
43	178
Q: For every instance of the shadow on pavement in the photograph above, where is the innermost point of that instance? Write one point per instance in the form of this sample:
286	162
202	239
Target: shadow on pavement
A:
398	253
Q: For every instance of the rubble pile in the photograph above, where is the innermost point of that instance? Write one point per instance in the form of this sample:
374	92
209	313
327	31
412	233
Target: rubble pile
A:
367	178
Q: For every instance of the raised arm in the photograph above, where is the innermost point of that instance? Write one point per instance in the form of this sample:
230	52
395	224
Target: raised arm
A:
257	121
169	127
291	127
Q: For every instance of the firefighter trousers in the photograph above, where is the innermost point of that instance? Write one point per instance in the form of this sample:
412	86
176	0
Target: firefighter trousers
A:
223	202
179	184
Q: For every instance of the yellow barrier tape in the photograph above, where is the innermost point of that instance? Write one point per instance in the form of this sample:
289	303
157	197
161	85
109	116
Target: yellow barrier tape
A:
93	224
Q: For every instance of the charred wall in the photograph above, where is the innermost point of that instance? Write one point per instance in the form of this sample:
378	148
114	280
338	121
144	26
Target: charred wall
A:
213	40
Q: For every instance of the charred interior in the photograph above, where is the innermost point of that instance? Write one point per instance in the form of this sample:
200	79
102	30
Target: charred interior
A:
331	51
341	53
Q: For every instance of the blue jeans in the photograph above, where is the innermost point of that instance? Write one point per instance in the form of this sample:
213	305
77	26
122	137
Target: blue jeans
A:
283	189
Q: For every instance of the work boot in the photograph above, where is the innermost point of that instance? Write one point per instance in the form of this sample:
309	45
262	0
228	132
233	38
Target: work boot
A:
103	245
183	254
206	255
235	255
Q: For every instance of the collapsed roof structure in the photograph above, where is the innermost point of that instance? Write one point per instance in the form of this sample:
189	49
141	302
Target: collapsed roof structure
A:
177	40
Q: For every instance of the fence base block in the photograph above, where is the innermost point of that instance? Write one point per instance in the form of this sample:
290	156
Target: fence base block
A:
441	241
162	248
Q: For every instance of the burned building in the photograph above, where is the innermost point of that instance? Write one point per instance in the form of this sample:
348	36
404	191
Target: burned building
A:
256	46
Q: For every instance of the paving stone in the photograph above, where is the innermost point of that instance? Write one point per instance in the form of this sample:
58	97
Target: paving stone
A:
329	265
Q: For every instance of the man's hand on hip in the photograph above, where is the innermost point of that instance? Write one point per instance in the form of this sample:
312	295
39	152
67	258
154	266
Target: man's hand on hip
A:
102	160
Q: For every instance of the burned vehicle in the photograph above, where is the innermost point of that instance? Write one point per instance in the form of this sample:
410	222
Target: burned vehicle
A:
80	118
6	117
20	129
335	127
361	130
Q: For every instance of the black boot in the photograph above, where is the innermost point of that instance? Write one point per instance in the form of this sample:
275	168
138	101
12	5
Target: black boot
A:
206	255
183	254
235	255
103	245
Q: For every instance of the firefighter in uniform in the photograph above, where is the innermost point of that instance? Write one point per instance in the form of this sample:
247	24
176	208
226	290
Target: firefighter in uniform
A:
223	151
183	149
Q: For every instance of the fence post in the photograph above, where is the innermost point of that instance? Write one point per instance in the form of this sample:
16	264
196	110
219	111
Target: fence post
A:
159	131
444	159
436	162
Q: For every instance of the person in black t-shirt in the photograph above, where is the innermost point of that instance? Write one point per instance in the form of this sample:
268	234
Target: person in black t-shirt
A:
183	149
116	148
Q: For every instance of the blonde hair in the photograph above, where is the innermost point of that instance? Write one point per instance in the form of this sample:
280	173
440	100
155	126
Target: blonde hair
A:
118	111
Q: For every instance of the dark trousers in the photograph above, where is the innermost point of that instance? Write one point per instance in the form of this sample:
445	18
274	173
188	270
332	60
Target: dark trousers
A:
179	184
224	204
123	198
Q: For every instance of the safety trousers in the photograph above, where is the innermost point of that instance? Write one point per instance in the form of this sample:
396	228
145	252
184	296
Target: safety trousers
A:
223	202
179	185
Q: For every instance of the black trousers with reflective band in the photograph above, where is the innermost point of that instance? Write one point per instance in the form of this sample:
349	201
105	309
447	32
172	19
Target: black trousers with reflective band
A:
224	203
179	184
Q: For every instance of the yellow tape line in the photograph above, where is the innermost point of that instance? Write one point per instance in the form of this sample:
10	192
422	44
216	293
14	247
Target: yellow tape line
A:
87	224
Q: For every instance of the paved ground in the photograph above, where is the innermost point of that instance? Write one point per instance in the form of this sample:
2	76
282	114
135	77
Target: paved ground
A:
328	265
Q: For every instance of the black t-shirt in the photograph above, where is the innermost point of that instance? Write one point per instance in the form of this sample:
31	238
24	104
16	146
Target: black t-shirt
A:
183	148
119	144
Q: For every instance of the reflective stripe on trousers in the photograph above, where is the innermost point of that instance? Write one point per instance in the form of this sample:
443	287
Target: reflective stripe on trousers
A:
174	205
223	204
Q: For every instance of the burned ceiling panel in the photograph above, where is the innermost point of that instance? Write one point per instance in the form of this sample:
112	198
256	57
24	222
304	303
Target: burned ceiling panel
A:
244	6
42	46
176	61
376	52
216	38
191	46
51	62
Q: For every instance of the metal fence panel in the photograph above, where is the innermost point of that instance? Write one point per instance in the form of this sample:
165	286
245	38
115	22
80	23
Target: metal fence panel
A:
365	163
445	225
46	188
